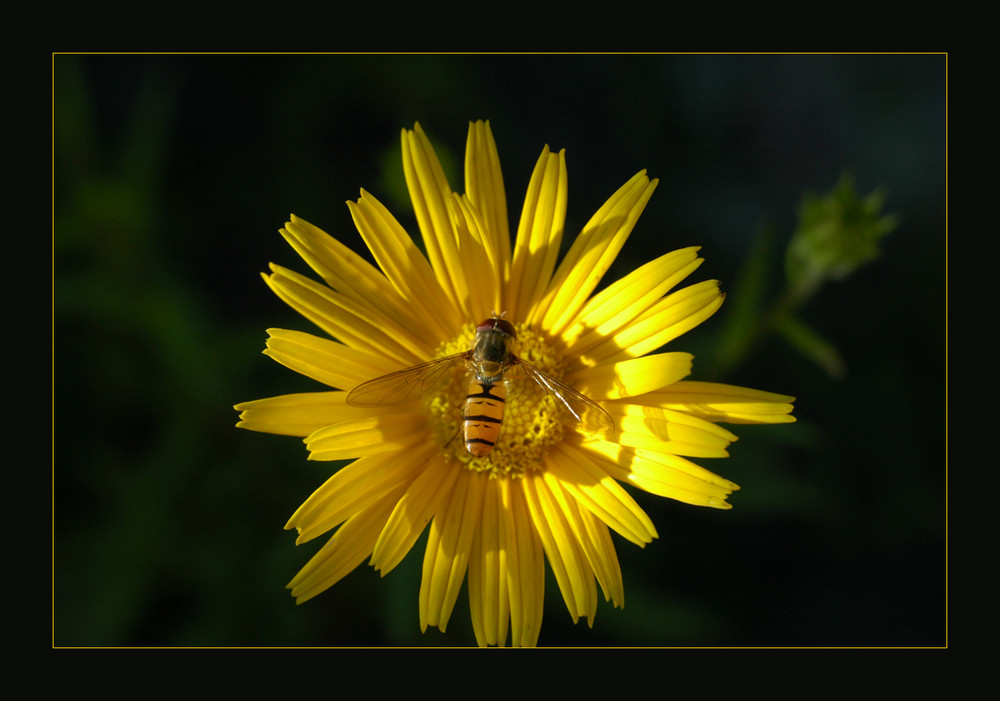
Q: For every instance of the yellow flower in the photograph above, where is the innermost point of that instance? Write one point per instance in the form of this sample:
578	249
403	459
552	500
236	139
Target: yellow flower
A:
552	488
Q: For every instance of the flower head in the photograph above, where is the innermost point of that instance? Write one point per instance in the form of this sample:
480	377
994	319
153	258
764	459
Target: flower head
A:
579	399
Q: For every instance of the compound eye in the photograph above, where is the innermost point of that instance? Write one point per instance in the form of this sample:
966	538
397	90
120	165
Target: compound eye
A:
501	325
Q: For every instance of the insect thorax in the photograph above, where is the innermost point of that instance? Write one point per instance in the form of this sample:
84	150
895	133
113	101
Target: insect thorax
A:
489	372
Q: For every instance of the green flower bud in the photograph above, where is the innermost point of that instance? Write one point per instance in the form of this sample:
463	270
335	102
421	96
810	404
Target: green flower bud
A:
837	233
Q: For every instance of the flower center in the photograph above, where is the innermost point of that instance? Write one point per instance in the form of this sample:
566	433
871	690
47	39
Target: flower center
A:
530	422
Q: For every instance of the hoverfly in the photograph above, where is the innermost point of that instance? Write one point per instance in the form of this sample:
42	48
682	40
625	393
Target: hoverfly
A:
486	364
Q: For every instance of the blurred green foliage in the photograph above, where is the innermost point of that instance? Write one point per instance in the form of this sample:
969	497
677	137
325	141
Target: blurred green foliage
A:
173	173
836	234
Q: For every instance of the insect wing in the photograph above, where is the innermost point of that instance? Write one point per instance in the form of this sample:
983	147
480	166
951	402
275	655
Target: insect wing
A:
405	385
578	408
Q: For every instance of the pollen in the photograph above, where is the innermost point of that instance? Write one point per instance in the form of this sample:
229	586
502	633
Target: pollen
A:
531	423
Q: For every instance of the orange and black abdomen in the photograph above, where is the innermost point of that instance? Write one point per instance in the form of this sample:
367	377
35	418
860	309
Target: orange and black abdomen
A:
483	416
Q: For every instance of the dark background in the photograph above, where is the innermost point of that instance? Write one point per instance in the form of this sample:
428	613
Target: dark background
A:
172	174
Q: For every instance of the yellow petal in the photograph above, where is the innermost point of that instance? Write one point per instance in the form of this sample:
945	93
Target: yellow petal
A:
729	403
429	193
423	498
562	549
355	438
483	288
669	318
663	474
595	543
525	565
629	378
345	550
354	488
600	550
596	491
485	189
488	597
357	279
404	265
539	233
625	299
662	430
590	256
323	360
449	543
341	318
340	267
295	414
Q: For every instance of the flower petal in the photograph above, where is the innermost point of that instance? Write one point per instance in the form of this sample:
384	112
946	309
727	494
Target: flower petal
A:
590	256
672	316
600	551
625	299
539	234
595	543
342	318
429	193
663	474
630	378
483	288
489	604
719	402
423	498
404	265
397	431
666	431
354	277
345	550
449	543
595	490
354	488
525	565
485	189
323	360
295	414
562	549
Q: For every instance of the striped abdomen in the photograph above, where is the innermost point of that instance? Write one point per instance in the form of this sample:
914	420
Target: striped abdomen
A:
483	416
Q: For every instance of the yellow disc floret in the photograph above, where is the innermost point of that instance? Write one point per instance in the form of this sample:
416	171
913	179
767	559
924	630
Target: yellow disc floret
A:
531	419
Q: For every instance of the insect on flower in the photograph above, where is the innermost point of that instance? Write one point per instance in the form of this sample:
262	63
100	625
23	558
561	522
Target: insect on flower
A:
543	493
490	365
